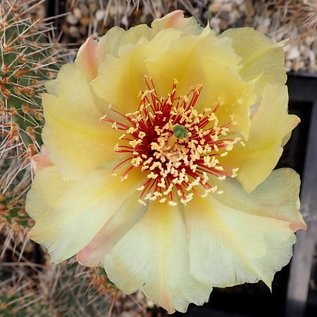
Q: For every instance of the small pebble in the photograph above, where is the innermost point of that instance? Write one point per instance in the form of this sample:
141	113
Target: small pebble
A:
100	14
77	13
85	20
73	32
292	52
71	19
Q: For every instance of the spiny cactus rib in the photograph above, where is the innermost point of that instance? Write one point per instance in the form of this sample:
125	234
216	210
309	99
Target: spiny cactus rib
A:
28	58
68	290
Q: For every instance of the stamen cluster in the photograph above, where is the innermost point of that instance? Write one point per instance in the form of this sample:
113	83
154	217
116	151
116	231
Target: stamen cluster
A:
178	147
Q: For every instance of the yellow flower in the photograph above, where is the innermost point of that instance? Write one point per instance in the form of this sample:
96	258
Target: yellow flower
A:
159	148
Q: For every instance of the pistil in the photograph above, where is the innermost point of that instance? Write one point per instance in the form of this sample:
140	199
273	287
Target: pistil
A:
180	131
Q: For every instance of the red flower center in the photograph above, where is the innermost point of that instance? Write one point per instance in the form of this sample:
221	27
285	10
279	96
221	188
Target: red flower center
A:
178	148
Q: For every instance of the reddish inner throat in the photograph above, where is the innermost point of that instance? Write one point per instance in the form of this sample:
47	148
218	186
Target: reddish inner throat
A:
178	148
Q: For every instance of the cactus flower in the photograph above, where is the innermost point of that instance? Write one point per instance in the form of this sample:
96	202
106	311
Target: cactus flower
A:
160	144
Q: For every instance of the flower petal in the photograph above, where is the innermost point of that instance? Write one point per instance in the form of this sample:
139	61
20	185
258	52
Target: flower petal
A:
269	126
201	60
117	40
41	160
260	58
75	138
92	53
119	224
276	198
176	19
87	58
154	255
125	73
68	214
244	237
210	62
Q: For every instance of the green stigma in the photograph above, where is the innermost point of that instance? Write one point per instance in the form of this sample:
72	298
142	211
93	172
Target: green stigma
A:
180	132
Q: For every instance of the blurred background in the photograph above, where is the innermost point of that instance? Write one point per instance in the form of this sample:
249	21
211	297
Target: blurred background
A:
39	36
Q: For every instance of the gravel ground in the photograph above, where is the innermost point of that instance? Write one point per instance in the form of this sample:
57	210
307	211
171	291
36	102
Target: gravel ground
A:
295	20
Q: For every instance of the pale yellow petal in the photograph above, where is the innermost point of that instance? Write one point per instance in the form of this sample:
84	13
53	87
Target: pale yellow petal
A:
172	19
52	86
186	55
276	198
130	212
269	126
68	214
117	40
261	59
124	75
175	19
87	58
234	95
202	60
41	160
154	255
110	42
92	53
237	239
76	140
210	62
